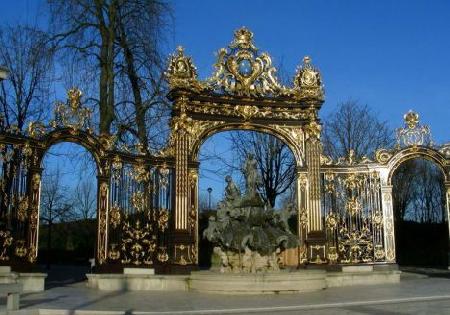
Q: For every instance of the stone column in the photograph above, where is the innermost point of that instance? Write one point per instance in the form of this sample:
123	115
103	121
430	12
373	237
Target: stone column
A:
102	219
388	223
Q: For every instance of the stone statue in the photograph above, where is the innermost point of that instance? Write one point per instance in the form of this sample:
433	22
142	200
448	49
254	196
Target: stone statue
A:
232	192
249	235
252	180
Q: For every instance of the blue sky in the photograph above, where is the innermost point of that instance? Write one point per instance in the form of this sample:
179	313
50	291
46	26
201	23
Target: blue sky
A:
392	55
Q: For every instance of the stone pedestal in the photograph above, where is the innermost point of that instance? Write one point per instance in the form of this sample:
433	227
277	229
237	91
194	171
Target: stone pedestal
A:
259	283
213	281
138	271
6	276
31	282
137	282
363	275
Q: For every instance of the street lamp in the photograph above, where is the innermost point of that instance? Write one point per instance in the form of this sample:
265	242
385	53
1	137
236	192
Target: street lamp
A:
4	72
209	190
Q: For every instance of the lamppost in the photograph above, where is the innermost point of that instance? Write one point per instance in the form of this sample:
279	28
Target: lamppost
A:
209	190
4	72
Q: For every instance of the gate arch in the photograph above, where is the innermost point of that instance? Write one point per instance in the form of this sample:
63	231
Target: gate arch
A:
420	220
414	152
294	140
80	137
81	226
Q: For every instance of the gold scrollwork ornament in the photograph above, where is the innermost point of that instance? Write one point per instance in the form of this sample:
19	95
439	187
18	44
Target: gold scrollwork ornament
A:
138	201
22	209
162	255
6	241
115	216
21	250
163	219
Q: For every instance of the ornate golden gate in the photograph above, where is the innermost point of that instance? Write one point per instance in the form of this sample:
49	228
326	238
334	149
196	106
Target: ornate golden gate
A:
148	203
243	93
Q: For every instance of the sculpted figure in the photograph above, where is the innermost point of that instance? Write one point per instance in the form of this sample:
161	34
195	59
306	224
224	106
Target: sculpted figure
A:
248	233
285	214
213	229
252	180
232	192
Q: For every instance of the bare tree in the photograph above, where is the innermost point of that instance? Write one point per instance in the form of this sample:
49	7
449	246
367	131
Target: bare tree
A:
419	192
403	192
353	126
87	28
276	163
121	41
56	205
25	51
140	33
203	202
84	200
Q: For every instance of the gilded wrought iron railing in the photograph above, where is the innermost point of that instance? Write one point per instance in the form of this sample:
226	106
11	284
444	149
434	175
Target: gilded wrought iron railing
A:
14	200
353	216
140	210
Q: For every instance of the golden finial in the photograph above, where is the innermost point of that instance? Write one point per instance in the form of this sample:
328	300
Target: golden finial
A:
180	50
243	39
306	60
74	97
411	119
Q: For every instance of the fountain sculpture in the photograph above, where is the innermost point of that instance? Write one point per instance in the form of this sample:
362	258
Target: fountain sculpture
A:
248	233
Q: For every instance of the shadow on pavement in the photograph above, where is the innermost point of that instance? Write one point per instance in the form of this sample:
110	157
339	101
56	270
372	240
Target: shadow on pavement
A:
427	271
62	275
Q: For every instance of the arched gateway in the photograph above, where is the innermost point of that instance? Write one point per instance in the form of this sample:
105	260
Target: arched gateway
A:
147	203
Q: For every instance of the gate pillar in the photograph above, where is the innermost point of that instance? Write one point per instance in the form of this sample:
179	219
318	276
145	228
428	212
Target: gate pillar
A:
181	181
316	234
34	193
102	219
184	239
302	206
388	223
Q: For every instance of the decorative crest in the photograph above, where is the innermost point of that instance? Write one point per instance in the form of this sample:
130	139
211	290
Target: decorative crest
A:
240	70
181	72
74	98
307	81
411	119
243	39
413	133
72	114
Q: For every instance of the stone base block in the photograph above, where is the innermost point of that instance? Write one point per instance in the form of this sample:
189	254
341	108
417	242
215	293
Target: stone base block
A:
32	282
259	283
354	269
6	276
212	281
138	271
361	277
137	282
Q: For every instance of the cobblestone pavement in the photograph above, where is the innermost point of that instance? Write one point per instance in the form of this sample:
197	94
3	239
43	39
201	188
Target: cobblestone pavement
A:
412	296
